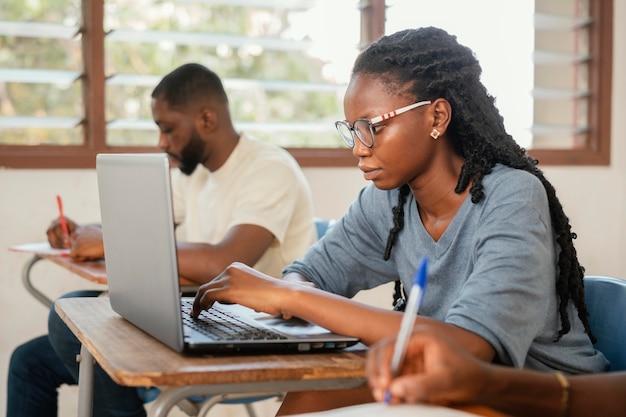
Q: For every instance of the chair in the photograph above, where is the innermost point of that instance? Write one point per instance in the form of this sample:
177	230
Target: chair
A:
323	225
201	405
606	300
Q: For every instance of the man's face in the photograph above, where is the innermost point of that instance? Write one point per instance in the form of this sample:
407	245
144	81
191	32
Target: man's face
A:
191	154
178	136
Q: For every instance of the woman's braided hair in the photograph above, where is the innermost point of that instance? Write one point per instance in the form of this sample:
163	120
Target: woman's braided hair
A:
437	66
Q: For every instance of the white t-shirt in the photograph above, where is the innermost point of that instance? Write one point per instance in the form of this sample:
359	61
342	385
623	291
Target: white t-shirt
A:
259	184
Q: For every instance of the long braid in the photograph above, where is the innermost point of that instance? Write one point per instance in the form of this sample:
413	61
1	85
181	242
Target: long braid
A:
398	220
437	66
398	224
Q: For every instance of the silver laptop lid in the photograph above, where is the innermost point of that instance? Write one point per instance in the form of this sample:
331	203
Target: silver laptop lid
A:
142	271
141	265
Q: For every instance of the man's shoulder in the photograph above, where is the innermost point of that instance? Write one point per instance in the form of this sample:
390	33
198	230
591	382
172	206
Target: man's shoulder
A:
258	153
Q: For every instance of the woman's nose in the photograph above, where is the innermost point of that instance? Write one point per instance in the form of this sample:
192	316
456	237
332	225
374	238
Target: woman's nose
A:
359	149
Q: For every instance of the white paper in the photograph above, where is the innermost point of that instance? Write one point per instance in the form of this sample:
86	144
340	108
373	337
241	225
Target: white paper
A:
383	410
40	248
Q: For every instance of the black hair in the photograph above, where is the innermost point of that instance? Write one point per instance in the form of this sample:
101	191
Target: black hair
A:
189	84
434	65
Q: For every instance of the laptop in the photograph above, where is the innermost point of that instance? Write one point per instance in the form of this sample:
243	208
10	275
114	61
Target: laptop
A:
142	271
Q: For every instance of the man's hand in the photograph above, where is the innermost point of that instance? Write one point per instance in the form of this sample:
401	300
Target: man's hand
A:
56	236
85	241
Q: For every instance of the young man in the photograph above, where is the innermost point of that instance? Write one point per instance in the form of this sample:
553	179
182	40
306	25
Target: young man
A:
235	199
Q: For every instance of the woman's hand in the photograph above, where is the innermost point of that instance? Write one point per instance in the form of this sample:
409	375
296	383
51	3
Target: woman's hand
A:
434	371
241	284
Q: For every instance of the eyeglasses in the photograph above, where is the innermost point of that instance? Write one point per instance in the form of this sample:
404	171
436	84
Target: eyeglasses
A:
363	129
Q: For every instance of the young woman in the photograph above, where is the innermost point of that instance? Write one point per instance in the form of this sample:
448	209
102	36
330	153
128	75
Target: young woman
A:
448	183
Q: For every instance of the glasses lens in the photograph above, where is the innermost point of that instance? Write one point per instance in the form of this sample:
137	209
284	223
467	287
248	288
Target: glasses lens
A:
363	131
345	133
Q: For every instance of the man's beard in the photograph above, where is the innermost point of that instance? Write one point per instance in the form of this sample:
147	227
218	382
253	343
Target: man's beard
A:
192	154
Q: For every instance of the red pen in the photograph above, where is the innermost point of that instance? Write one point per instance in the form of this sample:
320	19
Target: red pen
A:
66	232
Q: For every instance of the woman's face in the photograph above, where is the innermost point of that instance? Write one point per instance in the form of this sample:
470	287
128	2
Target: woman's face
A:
403	148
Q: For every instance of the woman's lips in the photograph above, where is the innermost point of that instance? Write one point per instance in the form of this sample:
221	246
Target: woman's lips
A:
369	173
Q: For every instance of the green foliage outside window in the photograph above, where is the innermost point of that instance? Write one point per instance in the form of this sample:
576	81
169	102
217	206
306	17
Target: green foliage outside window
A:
302	117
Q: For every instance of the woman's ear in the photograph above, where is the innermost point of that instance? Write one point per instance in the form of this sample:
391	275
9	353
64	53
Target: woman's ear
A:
442	115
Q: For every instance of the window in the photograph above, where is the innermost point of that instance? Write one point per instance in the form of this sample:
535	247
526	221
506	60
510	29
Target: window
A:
275	65
76	75
572	89
547	62
40	70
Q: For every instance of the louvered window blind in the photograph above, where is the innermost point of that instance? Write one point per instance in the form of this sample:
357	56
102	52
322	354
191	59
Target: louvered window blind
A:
75	78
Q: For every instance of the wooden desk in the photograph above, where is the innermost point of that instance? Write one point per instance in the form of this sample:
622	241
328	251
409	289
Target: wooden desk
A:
94	271
112	342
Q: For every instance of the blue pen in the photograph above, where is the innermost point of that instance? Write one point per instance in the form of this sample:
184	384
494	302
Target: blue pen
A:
408	319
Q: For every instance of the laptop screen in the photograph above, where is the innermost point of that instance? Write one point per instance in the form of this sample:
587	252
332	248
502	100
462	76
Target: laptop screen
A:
142	271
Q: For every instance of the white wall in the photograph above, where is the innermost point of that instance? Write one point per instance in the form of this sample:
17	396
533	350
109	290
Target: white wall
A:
594	198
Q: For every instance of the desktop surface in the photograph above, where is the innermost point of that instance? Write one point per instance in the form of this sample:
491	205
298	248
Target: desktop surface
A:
133	358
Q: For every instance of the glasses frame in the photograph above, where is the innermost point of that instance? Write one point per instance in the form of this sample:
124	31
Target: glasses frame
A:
354	134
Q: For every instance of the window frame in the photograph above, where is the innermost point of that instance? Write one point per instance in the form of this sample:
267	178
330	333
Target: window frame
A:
595	152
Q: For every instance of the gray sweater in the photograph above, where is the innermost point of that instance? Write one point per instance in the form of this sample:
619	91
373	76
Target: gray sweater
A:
492	272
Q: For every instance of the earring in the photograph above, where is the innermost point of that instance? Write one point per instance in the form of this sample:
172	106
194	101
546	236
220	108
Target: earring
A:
435	134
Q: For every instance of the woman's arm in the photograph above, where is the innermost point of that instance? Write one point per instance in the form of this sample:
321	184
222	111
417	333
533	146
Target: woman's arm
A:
243	285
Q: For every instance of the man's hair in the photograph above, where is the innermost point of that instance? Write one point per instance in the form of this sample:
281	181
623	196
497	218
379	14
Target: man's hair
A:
432	64
188	84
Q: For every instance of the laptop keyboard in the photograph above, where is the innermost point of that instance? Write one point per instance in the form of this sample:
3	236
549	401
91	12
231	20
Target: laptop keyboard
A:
221	326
